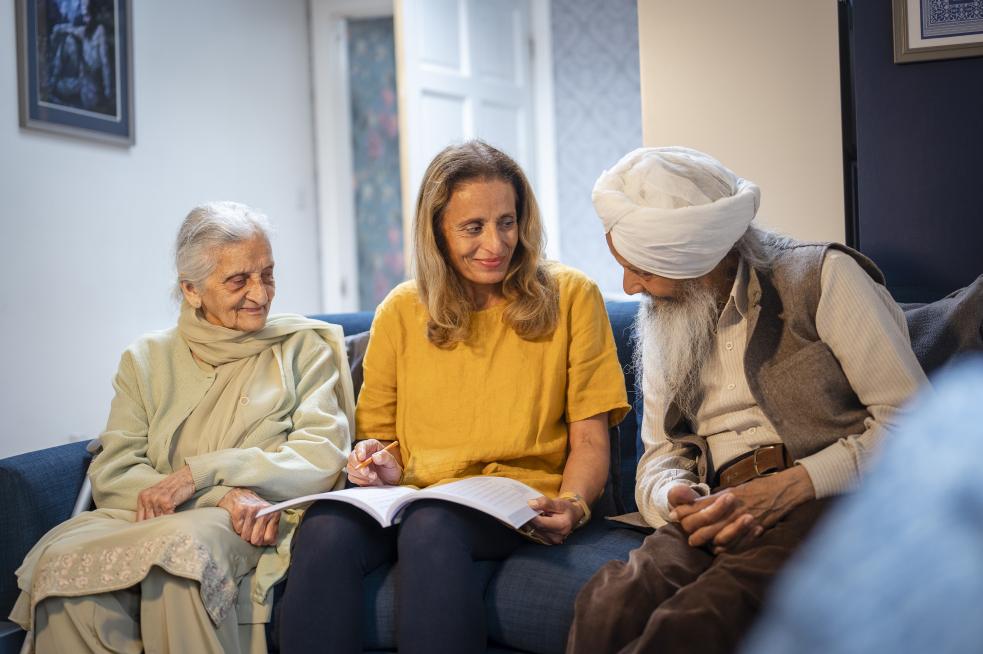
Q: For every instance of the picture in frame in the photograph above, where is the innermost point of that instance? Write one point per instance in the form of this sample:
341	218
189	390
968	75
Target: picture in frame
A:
75	68
937	29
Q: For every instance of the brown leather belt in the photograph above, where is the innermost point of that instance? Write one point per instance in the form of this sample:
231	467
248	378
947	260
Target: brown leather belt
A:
761	462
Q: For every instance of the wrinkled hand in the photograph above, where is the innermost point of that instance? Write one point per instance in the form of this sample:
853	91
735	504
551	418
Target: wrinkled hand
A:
714	517
166	495
731	517
383	470
558	519
681	494
243	505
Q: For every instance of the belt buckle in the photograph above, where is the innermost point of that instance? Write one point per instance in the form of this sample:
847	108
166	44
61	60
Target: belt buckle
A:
754	460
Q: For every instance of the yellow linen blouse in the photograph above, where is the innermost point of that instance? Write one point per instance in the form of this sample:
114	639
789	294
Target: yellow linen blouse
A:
496	405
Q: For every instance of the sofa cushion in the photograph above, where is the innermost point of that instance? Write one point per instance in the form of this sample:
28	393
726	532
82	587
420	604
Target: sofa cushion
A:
350	323
355	347
627	446
530	601
38	490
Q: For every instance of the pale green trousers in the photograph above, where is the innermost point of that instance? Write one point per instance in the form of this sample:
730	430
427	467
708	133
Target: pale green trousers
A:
164	613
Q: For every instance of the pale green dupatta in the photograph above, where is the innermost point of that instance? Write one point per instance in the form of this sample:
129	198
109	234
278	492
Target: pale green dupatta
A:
250	354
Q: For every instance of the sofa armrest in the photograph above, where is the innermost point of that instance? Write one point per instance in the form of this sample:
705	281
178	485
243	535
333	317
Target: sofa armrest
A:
39	491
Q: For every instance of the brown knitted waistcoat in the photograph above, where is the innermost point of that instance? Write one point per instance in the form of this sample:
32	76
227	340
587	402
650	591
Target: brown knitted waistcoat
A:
793	375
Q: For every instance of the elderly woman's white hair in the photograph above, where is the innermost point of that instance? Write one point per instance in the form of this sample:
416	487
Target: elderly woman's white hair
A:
206	227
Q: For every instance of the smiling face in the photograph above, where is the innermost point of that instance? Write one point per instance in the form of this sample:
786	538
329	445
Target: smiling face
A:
239	291
480	230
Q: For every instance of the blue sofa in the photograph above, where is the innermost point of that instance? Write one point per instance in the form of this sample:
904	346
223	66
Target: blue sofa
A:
529	597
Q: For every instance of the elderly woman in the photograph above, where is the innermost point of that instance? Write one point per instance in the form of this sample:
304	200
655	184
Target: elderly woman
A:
491	362
212	421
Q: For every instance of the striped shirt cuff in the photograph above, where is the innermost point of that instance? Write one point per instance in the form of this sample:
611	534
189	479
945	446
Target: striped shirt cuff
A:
833	470
662	498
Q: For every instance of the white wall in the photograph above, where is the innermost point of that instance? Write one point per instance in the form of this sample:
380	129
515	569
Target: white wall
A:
222	111
756	84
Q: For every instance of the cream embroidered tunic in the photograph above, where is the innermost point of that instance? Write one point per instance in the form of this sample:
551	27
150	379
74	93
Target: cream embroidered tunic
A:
285	433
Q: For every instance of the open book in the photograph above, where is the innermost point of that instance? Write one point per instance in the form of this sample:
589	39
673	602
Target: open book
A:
500	497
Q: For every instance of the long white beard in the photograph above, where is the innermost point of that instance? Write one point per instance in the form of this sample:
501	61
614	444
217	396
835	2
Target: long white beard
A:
674	339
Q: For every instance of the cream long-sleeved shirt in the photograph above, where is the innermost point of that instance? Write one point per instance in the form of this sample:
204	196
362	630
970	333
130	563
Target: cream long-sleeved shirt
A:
866	331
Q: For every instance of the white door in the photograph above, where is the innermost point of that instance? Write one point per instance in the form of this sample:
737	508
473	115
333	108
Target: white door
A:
464	71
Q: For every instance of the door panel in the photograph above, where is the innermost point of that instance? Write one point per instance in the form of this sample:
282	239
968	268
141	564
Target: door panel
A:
496	52
501	125
444	119
439	36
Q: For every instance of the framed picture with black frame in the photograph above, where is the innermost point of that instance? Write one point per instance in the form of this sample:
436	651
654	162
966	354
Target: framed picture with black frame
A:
75	68
937	29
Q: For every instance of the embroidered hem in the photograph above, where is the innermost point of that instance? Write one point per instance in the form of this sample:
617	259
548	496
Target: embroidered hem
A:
180	554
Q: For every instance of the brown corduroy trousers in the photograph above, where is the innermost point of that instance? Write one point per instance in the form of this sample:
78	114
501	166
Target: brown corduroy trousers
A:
670	597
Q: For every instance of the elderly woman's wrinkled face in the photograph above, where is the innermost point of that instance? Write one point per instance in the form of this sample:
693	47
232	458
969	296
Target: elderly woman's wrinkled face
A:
239	291
481	231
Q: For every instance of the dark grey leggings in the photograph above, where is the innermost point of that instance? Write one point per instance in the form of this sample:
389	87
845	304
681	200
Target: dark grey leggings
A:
439	604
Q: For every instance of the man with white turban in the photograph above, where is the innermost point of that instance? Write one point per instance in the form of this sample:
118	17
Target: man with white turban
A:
770	369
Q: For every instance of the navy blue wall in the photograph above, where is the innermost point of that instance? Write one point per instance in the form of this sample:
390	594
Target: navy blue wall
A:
919	145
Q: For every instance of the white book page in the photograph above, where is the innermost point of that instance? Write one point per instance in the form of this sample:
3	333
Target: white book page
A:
500	497
377	501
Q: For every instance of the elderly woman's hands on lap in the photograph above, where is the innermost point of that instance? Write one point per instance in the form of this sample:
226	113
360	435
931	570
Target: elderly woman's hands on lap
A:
175	489
243	505
166	495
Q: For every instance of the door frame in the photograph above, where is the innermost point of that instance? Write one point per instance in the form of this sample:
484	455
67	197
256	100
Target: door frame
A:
333	157
544	125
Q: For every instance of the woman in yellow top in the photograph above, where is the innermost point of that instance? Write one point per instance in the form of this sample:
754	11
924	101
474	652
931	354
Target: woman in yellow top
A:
491	362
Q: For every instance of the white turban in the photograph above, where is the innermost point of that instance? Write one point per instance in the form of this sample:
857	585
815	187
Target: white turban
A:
674	211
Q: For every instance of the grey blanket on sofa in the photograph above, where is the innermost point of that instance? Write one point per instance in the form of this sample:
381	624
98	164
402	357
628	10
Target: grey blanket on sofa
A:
948	326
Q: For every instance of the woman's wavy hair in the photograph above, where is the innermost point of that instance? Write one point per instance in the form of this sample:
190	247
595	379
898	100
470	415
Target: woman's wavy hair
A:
530	290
